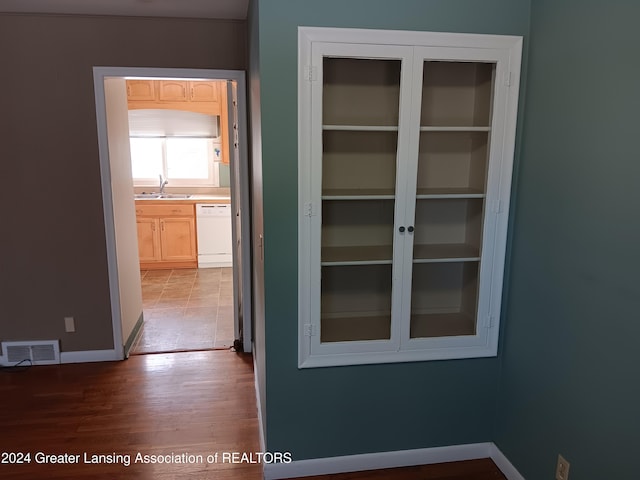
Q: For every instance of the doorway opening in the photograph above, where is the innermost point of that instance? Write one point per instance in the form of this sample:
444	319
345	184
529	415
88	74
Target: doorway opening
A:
170	289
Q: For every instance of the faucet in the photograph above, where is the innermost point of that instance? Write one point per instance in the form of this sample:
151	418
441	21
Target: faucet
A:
163	182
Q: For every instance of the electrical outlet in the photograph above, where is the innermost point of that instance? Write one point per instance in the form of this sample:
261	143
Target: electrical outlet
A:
69	324
562	469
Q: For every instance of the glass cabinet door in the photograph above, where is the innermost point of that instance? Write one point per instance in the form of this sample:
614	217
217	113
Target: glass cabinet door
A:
360	114
455	125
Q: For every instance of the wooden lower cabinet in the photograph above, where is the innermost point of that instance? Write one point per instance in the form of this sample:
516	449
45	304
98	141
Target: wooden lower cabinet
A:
166	237
148	240
178	240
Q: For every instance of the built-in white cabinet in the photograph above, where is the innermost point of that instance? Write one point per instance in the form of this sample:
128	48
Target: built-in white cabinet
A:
406	144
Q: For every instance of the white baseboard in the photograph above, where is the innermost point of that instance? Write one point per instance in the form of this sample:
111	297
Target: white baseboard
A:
263	441
89	356
403	458
375	461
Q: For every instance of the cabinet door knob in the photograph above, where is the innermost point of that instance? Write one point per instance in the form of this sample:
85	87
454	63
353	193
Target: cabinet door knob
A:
401	229
410	229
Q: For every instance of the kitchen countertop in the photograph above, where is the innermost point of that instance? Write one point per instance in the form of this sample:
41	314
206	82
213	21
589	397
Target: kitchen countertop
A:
193	199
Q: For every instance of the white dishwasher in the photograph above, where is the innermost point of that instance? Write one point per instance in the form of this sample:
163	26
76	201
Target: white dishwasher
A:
213	226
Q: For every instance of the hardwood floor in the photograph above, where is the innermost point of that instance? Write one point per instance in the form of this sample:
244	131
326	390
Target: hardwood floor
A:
167	405
193	402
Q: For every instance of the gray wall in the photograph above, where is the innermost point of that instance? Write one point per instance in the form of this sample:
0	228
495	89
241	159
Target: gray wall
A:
370	408
53	242
570	363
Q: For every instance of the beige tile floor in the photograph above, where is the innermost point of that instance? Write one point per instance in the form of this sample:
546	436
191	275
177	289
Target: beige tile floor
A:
186	309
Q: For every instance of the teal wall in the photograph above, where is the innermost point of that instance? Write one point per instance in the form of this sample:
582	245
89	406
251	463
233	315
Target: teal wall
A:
571	362
347	410
257	274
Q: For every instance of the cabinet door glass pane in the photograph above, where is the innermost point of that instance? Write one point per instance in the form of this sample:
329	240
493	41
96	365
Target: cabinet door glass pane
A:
455	129
448	228
360	91
452	163
357	231
360	105
355	303
444	299
457	94
446	259
359	163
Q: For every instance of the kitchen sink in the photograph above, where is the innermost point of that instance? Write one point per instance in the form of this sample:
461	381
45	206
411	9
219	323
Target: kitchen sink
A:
147	195
140	196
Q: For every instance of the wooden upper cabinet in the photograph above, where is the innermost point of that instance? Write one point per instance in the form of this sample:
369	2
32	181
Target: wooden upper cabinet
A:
185	91
204	91
173	91
141	90
200	96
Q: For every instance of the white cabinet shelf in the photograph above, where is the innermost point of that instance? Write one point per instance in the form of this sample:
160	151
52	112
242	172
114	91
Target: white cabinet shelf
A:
455	129
425	193
359	128
406	144
358	193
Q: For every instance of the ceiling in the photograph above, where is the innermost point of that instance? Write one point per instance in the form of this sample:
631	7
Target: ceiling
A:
227	9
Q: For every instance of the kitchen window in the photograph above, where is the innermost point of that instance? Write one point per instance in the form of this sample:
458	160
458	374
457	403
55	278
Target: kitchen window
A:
183	161
183	147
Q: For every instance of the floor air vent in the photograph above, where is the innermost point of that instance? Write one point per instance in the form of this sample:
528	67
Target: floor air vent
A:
45	352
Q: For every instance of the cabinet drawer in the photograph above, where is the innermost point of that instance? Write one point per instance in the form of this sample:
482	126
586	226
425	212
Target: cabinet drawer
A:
171	210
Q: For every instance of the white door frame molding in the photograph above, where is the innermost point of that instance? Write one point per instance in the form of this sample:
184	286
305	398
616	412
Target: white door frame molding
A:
99	75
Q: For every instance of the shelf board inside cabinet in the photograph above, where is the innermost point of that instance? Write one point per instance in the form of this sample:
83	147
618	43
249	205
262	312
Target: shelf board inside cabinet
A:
448	192
435	128
360	128
358	194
